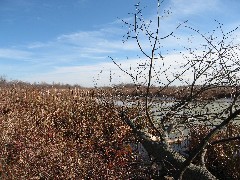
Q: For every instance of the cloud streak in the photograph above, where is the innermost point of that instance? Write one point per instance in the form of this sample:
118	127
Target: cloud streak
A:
6	53
192	7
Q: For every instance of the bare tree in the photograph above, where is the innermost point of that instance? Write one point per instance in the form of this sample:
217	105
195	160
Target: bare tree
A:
213	66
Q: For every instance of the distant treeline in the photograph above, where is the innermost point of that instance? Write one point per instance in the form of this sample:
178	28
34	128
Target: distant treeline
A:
176	92
5	82
136	90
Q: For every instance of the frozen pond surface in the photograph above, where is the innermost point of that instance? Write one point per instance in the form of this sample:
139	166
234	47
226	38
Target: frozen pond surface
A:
207	113
204	112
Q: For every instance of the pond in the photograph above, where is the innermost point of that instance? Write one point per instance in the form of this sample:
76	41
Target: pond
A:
207	113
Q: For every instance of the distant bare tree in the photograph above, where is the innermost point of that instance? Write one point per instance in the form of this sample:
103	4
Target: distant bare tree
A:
2	80
214	66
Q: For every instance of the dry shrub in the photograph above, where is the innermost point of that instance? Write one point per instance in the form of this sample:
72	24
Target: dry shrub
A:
63	134
222	159
177	92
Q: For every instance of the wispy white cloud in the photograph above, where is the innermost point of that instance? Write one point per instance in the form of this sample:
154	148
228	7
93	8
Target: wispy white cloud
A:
15	54
107	73
191	7
37	45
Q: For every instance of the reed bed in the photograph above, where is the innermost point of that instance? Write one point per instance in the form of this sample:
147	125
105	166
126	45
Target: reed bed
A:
50	133
222	157
75	133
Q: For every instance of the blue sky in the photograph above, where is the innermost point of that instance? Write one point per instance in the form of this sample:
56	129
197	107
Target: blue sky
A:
70	41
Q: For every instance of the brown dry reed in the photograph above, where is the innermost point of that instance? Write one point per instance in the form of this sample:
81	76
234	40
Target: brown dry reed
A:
54	133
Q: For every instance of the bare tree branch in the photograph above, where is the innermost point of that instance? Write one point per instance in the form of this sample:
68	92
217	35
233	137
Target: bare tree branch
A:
225	140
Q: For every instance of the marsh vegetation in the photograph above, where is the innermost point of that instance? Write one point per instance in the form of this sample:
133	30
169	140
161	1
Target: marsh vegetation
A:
67	132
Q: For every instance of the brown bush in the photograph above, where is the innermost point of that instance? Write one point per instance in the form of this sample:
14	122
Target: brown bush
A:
63	134
222	159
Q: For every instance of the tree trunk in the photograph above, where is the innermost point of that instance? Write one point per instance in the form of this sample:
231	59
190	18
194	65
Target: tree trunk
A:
161	151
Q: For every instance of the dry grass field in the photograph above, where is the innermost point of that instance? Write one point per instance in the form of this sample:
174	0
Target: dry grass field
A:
49	133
